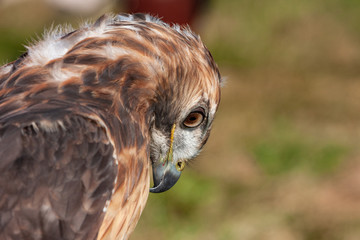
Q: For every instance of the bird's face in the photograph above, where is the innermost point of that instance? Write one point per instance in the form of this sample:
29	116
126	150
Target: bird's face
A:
181	128
173	145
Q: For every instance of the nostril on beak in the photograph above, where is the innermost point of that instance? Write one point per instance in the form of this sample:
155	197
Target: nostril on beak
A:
180	165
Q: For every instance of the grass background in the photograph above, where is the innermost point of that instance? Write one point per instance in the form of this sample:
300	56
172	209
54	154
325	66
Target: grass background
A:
283	159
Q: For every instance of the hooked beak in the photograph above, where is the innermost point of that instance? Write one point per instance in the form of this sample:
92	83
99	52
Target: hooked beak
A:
166	172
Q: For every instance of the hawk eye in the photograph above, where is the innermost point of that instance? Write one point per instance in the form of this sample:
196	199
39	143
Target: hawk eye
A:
195	118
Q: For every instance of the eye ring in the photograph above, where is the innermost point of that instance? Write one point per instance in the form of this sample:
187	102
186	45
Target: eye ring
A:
195	118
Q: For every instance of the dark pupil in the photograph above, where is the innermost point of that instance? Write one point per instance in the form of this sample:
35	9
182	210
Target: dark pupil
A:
193	118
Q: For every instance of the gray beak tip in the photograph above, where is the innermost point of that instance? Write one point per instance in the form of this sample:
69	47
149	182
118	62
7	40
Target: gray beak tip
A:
165	177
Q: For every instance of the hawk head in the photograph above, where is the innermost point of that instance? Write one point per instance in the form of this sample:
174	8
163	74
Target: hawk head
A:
184	107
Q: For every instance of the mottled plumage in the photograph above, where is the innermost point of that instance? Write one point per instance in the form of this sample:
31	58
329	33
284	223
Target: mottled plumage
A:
85	112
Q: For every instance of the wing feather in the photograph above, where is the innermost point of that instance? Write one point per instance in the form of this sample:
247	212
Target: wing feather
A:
54	180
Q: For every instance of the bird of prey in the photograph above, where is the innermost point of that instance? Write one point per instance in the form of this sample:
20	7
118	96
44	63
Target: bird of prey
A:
85	113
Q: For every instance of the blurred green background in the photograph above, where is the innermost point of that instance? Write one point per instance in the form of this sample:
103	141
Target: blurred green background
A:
283	160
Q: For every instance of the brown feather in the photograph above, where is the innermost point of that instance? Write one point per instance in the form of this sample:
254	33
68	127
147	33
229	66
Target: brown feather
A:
54	192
